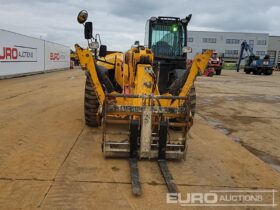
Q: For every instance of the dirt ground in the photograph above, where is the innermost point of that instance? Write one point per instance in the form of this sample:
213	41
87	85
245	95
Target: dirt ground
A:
246	108
50	160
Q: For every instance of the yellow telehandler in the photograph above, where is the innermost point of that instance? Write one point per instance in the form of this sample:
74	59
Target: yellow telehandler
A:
143	99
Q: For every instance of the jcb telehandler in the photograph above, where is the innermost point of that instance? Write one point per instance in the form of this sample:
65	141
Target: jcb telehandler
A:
143	99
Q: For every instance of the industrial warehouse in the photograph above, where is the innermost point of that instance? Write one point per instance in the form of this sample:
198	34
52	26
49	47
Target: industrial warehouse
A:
139	105
228	44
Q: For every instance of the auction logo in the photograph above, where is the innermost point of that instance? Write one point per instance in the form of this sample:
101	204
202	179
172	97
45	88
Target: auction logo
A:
57	56
18	54
225	198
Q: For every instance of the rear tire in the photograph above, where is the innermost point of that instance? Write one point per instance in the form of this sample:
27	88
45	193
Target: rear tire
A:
91	104
218	71
268	72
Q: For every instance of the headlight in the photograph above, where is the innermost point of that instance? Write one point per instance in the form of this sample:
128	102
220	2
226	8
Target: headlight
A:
187	49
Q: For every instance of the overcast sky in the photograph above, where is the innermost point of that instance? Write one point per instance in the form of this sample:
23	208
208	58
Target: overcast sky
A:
121	22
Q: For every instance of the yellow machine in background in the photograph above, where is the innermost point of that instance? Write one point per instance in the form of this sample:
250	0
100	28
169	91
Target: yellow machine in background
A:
138	118
74	59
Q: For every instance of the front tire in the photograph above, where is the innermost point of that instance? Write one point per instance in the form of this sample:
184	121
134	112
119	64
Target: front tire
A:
210	74
91	104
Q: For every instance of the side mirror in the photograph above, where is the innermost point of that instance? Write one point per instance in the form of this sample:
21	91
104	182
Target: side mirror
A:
82	16
102	51
88	30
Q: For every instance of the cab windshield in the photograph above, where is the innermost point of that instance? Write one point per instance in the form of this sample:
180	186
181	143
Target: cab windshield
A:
168	39
214	56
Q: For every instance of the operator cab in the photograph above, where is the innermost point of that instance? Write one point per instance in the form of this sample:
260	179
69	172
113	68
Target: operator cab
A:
167	37
214	55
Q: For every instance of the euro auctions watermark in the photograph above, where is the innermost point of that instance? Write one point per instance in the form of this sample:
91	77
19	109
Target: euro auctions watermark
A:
262	198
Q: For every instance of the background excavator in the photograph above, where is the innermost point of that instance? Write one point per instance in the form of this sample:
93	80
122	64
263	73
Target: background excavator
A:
254	63
143	99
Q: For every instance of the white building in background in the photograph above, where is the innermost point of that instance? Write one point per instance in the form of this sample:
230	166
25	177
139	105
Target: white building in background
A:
274	48
228	44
